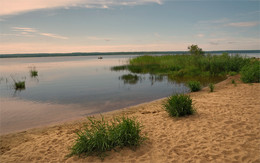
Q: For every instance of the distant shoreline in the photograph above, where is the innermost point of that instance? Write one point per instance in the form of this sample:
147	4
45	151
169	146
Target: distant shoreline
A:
24	55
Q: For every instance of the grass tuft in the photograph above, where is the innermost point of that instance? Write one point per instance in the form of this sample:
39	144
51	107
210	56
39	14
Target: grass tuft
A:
33	72
101	136
211	87
194	86
179	105
19	85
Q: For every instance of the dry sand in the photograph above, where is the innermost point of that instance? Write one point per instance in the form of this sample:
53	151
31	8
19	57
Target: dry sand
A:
226	128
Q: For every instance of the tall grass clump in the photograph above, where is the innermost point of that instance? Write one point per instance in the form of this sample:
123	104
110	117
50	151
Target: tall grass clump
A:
194	86
251	72
211	87
33	72
101	136
19	85
179	105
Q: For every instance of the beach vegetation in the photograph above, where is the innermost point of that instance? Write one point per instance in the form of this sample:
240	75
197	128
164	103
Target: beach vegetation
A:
179	105
194	86
100	136
251	72
211	87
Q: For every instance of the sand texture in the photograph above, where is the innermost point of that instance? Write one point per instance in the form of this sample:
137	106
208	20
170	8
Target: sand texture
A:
226	128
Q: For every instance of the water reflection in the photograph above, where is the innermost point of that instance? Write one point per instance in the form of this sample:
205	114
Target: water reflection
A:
130	78
133	79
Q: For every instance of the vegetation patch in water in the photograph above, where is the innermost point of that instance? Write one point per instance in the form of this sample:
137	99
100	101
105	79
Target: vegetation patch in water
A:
196	64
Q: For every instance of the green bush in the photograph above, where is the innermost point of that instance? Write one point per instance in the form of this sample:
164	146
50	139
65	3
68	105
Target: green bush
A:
251	73
179	105
194	86
101	136
126	132
211	87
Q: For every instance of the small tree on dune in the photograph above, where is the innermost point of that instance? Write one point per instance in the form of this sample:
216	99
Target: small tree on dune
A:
195	50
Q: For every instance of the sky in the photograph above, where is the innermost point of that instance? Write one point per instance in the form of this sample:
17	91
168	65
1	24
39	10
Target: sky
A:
64	26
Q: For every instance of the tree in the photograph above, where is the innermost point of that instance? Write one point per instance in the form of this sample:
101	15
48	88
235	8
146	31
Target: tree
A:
195	50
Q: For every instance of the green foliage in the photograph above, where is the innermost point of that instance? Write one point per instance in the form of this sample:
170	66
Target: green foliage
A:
233	81
126	132
194	86
179	105
33	72
232	73
129	78
211	87
101	136
251	73
186	66
19	85
195	50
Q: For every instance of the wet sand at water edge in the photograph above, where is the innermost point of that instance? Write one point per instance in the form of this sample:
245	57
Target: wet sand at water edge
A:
226	128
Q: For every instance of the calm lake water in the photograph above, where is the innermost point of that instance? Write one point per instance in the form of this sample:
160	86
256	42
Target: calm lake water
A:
71	87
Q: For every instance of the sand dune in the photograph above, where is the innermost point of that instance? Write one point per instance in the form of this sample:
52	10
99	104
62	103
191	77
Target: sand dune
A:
226	128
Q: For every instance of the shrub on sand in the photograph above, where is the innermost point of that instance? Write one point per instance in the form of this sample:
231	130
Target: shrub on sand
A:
194	86
211	87
179	105
251	73
101	136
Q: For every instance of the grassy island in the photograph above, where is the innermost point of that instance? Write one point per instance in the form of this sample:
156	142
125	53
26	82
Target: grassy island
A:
194	65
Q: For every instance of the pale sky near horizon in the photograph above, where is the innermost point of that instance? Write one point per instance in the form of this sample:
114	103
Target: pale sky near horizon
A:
46	26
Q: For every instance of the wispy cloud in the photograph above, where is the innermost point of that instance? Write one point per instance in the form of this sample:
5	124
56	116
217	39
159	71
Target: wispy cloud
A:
53	35
25	31
94	38
10	7
243	24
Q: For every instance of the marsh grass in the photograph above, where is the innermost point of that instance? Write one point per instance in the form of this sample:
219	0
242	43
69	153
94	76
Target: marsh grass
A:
194	86
186	65
33	72
129	78
179	105
19	85
211	87
100	136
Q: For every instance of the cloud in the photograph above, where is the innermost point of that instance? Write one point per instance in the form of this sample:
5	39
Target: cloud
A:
94	38
53	35
25	31
243	24
11	7
200	35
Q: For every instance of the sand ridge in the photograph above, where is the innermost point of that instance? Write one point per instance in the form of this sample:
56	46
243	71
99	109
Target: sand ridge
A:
226	128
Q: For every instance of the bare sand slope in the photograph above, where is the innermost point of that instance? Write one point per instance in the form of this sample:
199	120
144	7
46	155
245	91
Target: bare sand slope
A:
226	128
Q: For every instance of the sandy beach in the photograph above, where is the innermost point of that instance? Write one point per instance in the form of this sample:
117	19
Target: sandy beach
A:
226	128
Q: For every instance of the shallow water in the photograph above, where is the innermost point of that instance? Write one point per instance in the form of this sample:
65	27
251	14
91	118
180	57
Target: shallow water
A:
71	87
